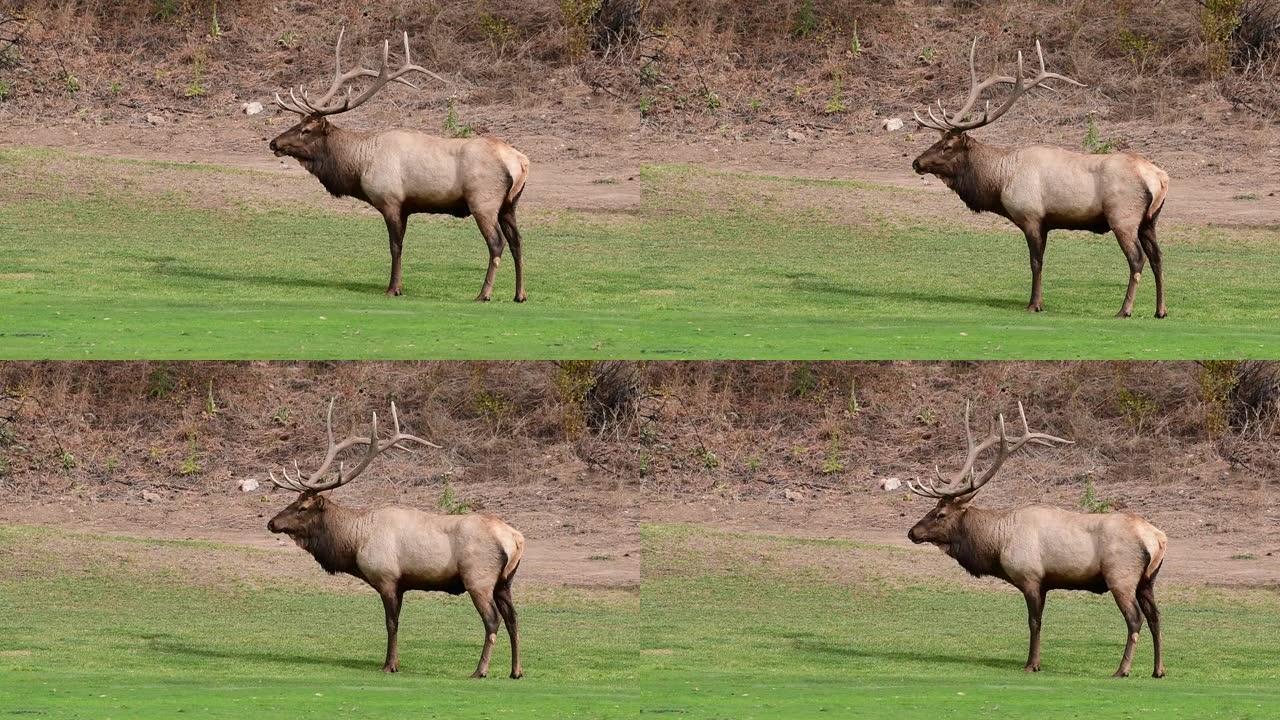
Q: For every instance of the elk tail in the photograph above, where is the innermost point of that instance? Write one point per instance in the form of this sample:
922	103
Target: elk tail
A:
1157	182
518	170
513	548
1155	542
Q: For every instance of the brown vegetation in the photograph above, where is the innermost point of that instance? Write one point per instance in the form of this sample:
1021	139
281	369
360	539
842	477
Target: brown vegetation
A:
823	62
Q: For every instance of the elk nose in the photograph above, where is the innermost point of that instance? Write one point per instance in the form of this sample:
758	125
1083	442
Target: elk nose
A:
272	145
271	525
915	164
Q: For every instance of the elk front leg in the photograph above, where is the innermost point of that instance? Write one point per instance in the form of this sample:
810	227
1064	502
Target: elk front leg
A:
1132	253
1035	612
1147	602
391	601
1128	604
483	600
1037	237
507	607
488	223
396	222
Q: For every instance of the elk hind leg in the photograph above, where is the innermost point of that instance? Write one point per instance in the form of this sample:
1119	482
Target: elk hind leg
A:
1147	602
1133	253
493	237
507	218
1147	236
1127	600
507	607
488	609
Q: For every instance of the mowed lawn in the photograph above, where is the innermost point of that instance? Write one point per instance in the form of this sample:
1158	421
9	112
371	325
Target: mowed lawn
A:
748	626
102	627
711	265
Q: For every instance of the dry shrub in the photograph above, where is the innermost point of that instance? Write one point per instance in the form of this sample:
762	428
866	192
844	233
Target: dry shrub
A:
127	53
824	62
1254	398
108	427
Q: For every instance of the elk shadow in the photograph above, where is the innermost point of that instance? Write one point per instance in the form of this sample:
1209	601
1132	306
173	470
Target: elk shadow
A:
275	281
906	655
177	647
810	284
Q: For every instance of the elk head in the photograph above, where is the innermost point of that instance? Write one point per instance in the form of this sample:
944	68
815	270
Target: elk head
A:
304	517
949	155
306	139
940	525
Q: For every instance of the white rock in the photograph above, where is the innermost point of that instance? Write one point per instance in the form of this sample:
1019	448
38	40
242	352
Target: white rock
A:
795	136
891	124
150	496
793	495
155	119
248	485
251	108
890	484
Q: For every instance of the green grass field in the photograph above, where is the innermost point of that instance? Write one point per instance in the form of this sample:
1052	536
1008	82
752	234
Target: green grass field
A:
748	626
98	627
712	265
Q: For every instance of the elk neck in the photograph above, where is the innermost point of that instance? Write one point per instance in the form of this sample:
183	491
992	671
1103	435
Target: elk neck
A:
979	538
981	180
336	539
341	162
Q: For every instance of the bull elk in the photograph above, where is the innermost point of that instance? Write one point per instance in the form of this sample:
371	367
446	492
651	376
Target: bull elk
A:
400	172
395	549
1042	188
1038	548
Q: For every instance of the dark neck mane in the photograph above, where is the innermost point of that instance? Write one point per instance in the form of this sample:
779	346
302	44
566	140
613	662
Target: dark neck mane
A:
977	543
338	166
334	541
980	180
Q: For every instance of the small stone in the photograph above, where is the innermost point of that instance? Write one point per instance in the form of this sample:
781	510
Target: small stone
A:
155	119
248	485
792	495
795	136
150	496
890	484
251	108
891	124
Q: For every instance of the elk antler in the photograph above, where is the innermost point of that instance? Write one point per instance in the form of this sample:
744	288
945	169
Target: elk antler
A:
953	487
321	106
957	121
376	447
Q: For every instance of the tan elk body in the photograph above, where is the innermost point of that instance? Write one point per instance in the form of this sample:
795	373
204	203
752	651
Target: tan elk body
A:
1038	548
1042	188
401	172
396	549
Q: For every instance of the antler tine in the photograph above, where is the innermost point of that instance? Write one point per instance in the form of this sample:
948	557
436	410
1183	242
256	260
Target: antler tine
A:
375	447
961	121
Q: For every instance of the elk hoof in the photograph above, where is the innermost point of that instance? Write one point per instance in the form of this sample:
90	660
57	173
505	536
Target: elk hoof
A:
517	674
1032	668
1121	674
1124	313
391	668
1035	307
1162	314
394	292
479	675
521	297
482	298
1158	674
